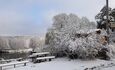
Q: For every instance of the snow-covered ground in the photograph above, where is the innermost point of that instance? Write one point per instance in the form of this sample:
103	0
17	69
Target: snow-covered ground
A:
65	64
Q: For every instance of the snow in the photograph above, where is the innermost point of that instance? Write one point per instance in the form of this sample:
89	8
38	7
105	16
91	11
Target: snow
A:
111	68
70	34
48	57
65	64
12	63
35	54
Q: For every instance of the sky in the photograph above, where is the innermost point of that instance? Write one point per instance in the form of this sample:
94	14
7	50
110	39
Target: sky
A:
34	17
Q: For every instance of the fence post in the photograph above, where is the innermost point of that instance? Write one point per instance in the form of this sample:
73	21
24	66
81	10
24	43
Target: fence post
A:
24	64
14	66
1	68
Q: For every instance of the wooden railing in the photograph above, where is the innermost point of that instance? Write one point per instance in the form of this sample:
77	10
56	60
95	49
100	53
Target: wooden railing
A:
14	64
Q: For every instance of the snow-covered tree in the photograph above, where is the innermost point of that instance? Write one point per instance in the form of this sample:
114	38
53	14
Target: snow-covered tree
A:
4	43
77	38
36	43
18	43
70	34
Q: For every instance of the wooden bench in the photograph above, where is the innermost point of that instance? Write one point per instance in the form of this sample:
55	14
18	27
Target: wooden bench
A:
40	59
39	54
5	61
15	63
20	59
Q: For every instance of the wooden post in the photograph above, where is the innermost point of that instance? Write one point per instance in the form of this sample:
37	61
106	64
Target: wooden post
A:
24	64
14	66
1	68
49	59
107	20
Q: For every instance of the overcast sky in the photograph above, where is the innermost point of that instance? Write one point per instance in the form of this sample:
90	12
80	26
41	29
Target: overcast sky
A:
34	17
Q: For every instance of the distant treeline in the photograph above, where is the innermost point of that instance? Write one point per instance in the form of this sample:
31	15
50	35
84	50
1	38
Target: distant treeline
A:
20	43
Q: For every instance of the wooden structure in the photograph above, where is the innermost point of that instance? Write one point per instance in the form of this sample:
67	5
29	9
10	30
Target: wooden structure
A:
14	64
5	61
39	57
112	25
4	50
39	54
45	58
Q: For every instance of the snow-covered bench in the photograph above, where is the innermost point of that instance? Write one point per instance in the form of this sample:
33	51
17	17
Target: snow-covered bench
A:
44	59
39	54
14	63
20	59
5	61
